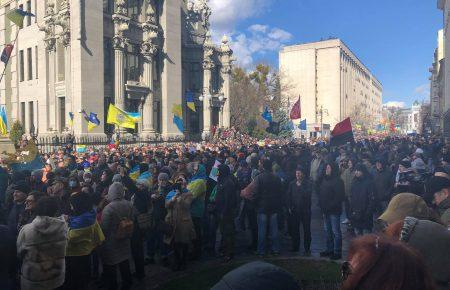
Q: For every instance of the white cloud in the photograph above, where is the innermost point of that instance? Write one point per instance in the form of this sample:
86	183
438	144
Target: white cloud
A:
227	13
394	104
422	91
260	40
256	39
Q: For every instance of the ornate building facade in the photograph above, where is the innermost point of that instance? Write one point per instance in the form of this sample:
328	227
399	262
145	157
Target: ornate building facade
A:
141	55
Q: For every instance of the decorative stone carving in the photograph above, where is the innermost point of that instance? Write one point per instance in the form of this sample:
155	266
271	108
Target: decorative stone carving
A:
50	9
63	20
120	42
148	50
121	7
203	10
208	52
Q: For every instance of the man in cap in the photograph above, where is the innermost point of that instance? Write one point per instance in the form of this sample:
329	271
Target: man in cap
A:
441	199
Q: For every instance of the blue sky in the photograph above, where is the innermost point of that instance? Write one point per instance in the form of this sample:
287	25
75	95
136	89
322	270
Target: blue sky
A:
395	39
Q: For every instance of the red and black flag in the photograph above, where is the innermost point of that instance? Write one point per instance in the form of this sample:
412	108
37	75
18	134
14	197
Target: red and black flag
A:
342	133
6	54
296	112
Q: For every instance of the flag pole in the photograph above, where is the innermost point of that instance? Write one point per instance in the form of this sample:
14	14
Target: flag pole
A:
6	64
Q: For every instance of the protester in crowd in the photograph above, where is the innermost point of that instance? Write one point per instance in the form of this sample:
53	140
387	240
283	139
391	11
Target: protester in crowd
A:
197	186
178	204
226	205
383	181
362	202
347	177
403	205
117	226
441	193
30	206
299	206
331	196
17	210
41	246
377	263
8	266
431	240
84	236
268	205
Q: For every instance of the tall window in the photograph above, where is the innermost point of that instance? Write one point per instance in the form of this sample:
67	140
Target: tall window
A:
29	11
30	63
108	6
62	113
132	65
22	113
61	62
134	9
31	114
21	66
36	57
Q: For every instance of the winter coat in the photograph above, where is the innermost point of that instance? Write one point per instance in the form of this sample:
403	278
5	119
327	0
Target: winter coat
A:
444	211
179	216
14	216
362	203
42	247
268	195
299	197
347	177
227	190
384	183
115	251
331	194
8	266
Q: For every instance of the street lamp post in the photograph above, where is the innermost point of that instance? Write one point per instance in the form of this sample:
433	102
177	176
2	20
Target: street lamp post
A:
321	112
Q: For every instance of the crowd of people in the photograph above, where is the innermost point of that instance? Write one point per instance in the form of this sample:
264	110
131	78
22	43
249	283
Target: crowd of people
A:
88	216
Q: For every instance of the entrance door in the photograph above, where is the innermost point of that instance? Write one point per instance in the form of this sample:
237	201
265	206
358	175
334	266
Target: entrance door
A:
215	116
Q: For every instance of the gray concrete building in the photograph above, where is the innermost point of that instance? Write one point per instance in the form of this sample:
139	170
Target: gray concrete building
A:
141	55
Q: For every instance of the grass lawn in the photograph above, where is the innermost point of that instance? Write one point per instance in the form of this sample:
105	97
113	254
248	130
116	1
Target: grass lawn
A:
309	272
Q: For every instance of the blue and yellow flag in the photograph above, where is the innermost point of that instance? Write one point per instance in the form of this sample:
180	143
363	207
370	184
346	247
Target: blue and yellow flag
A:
190	101
17	16
178	117
135	116
120	118
71	116
3	122
135	172
93	121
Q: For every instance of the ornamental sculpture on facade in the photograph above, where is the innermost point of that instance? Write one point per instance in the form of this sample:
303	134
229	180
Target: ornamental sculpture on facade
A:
48	26
63	20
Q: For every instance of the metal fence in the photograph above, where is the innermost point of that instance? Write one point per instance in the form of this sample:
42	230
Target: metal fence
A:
48	144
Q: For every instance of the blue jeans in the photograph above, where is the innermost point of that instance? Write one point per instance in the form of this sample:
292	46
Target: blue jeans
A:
273	230
333	231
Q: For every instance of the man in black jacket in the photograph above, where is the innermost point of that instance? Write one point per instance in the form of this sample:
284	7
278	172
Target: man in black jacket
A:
268	200
331	197
226	205
299	206
383	180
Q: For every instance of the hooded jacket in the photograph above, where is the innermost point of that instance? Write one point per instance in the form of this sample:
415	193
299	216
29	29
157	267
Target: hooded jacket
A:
42	247
226	196
331	192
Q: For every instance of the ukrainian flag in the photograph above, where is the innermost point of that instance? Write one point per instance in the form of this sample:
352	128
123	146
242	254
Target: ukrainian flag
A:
93	121
135	173
84	234
178	117
120	118
135	116
190	101
17	16
71	116
3	122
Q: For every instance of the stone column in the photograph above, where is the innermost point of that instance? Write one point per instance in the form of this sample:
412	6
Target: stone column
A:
119	44
208	65
148	50
226	59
